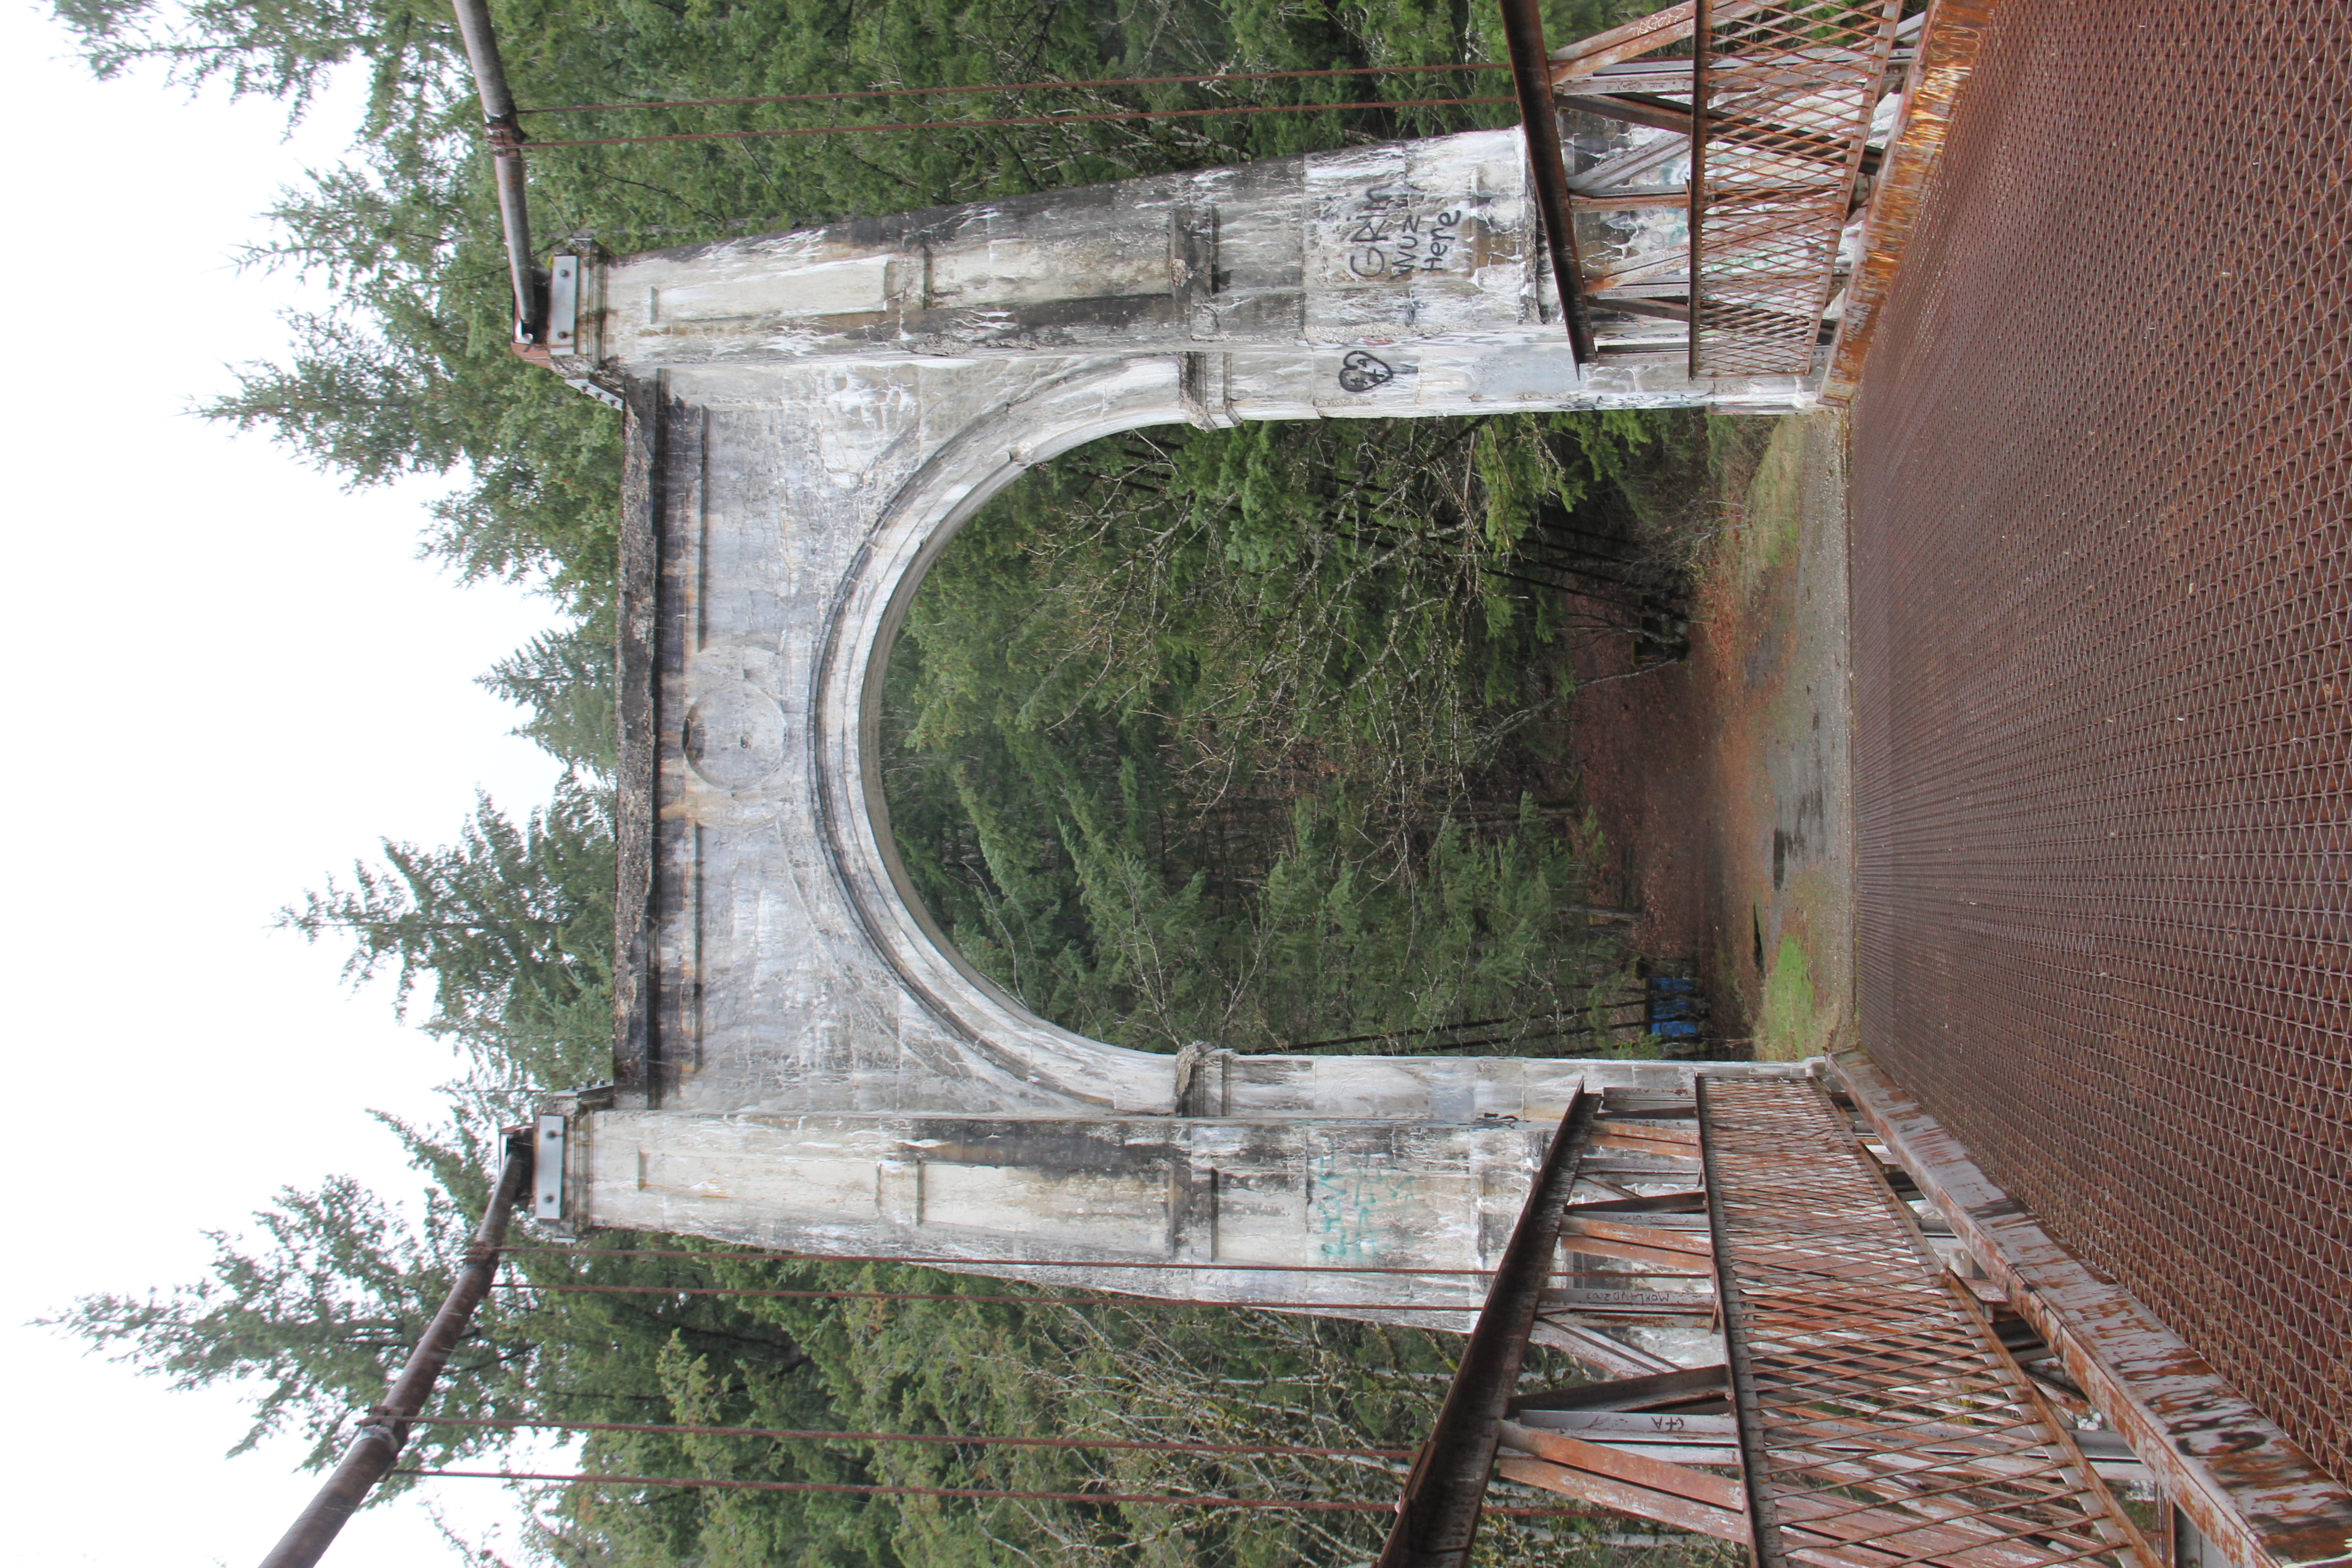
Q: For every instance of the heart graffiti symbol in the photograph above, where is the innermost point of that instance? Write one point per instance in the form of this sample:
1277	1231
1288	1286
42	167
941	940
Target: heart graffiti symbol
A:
1360	372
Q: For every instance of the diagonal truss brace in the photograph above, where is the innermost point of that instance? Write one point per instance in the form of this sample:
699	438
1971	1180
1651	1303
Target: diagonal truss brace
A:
1882	1421
1867	1413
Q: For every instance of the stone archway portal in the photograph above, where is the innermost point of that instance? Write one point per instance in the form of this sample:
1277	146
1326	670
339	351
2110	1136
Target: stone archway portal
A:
801	1059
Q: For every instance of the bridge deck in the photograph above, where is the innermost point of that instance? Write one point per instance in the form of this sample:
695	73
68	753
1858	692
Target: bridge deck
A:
2102	657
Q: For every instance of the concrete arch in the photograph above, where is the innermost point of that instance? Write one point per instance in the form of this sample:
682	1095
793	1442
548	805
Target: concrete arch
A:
1083	402
799	1056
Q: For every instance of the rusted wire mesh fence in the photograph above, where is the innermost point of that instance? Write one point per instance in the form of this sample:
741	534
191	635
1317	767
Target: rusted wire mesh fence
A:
2103	655
1882	1418
1788	89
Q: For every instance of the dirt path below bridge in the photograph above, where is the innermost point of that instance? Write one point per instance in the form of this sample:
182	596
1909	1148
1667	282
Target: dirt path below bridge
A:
1722	783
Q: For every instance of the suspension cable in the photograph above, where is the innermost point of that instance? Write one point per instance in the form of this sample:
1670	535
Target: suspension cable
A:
820	1434
1017	86
1023	120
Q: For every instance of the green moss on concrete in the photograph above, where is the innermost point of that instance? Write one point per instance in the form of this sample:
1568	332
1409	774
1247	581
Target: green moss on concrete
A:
1788	1031
1775	510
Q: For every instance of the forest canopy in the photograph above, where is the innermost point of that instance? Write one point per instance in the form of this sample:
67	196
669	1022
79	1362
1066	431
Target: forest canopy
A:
1257	738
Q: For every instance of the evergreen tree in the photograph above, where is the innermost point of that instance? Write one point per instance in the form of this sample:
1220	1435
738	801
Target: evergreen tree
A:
564	681
512	929
1238	736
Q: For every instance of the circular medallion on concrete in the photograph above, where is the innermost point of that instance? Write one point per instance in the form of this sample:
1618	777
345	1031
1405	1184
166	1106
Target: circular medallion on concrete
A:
735	736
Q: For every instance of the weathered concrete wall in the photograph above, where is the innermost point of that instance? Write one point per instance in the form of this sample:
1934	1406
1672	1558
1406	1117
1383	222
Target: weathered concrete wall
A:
812	417
1116	1191
1231	1201
1371	251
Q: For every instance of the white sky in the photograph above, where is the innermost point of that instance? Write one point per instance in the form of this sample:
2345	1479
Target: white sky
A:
225	677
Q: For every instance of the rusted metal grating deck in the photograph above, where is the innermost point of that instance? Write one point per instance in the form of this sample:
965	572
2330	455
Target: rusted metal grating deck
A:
2103	665
1881	1420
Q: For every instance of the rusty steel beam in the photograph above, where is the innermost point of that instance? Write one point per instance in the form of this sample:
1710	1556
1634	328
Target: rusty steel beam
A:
1437	1517
1629	1497
1632	1252
1664	197
1941	66
2253	1493
1601	1354
1634	109
1660	1391
1657	308
1651	1236
1625	1137
1692	1201
1585	1304
1668	25
1641	1469
1532	74
384	1431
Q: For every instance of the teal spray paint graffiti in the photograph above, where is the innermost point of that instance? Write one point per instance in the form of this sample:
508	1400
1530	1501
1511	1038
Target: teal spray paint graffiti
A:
1354	1197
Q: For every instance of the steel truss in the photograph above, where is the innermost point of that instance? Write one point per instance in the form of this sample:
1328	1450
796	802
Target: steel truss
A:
1760	136
1869	1410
